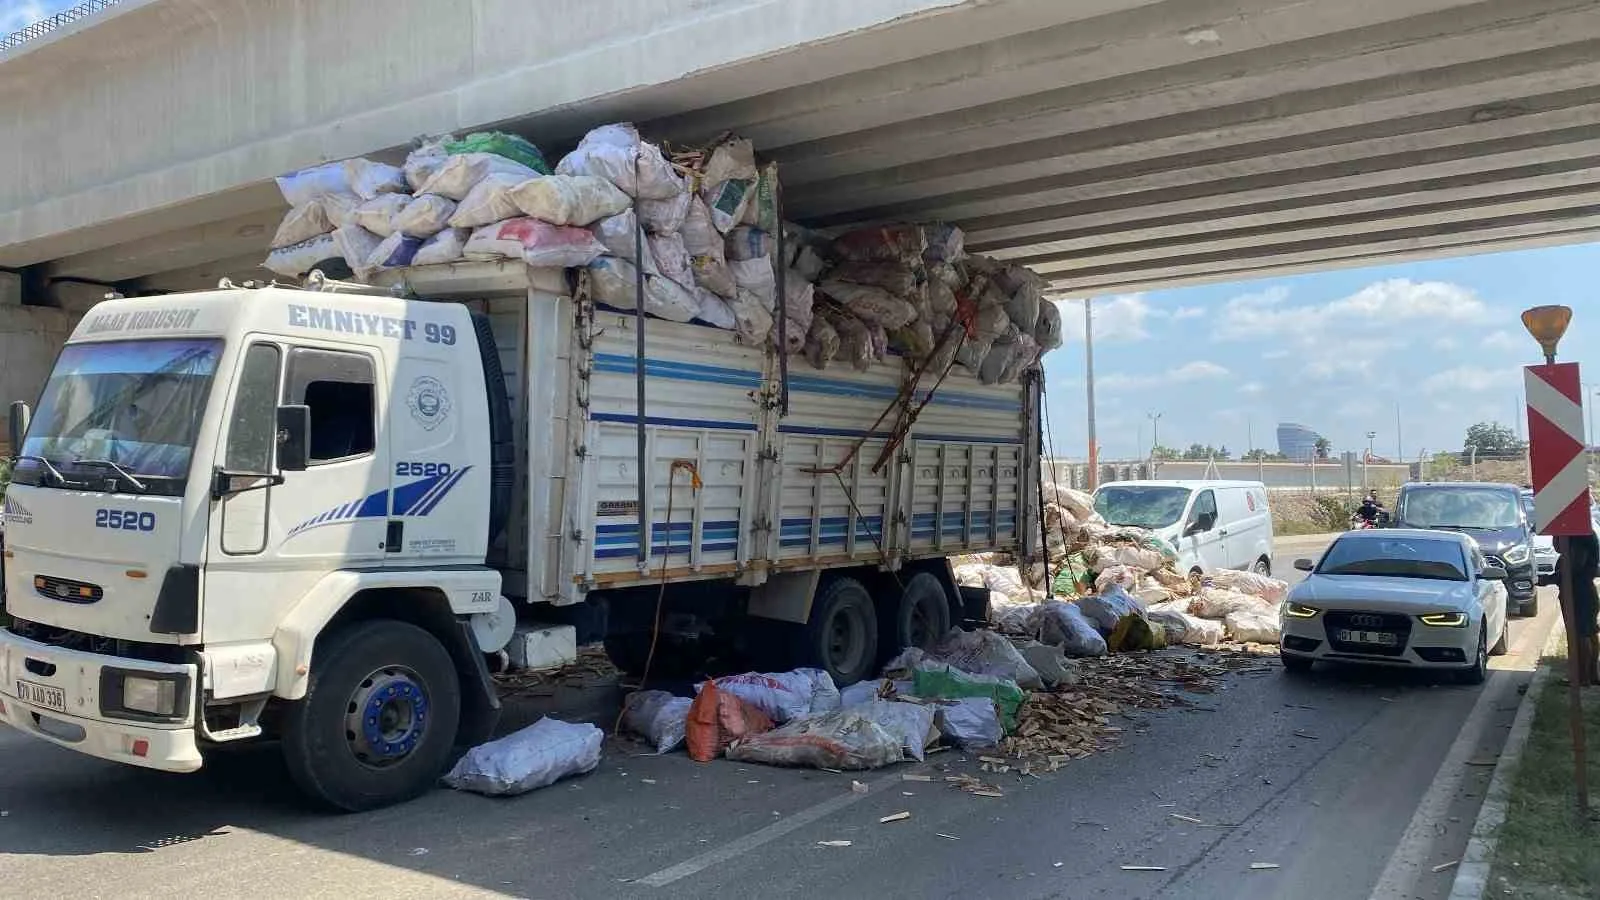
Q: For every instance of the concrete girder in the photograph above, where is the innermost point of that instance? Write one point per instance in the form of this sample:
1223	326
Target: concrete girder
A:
1553	204
1508	230
1523	150
1095	233
1091	49
1359	66
1037	165
170	250
205	276
1035	227
1147	282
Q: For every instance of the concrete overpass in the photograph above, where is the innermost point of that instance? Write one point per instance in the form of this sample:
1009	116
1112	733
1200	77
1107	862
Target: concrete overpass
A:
1112	144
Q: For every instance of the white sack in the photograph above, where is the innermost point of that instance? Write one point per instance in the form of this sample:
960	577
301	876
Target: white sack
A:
461	172
447	246
425	216
657	716
306	185
665	216
538	243
368	179
569	199
617	154
1254	626
377	215
971	723
489	201
356	245
296	260
302	223
535	757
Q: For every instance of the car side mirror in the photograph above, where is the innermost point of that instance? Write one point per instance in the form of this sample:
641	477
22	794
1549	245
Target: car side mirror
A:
21	415
294	437
1304	565
1202	523
1493	573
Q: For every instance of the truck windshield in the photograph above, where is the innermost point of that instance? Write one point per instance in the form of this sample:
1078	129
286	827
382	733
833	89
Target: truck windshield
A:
1145	506
117	409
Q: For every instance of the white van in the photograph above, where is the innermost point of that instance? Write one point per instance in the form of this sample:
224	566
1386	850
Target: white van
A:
1214	524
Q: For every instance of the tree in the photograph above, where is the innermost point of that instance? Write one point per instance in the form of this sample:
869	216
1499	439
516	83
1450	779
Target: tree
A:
1222	452
1160	452
1322	446
1263	455
1492	440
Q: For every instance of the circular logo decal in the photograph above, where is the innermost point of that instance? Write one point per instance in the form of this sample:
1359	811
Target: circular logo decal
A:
429	402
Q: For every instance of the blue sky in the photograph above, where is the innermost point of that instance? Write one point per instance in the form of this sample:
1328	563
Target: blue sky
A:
16	14
1336	351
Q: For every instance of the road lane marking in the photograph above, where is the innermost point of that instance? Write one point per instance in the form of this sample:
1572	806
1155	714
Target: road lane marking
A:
754	839
1410	861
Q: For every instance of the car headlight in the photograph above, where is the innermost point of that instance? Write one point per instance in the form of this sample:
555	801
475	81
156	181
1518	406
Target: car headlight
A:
1517	555
1299	610
1445	620
158	697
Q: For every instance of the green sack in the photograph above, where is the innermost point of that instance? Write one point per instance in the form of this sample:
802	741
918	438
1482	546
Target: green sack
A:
514	147
953	684
1135	632
1075	579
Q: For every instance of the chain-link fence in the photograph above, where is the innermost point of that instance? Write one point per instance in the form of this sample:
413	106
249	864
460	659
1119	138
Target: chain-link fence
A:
50	23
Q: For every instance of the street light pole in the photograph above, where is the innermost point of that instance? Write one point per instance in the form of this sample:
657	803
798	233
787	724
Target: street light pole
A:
1366	464
1155	438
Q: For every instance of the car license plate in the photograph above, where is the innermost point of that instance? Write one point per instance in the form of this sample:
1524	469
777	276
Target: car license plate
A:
1378	638
42	695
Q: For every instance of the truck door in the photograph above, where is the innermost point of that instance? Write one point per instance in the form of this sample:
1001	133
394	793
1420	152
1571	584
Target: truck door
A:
331	516
336	512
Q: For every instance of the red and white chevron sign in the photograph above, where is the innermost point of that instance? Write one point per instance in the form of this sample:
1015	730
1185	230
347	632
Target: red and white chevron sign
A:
1556	450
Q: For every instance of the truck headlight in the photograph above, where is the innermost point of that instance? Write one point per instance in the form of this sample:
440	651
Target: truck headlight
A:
1299	610
1517	555
1445	620
149	695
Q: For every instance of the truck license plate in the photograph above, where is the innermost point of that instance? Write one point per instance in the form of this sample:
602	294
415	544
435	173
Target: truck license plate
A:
42	695
1380	638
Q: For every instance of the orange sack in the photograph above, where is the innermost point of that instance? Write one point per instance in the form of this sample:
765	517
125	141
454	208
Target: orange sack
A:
717	719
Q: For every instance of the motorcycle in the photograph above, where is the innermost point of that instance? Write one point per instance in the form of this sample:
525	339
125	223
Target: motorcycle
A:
1359	524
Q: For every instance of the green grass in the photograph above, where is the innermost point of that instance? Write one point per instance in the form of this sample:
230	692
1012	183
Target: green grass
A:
1543	852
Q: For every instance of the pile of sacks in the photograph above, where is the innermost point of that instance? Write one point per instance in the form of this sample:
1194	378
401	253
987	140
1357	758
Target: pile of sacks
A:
702	233
967	689
1107	573
913	290
704	226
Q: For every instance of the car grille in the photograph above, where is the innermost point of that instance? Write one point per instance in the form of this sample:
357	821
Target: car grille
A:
1393	623
1494	561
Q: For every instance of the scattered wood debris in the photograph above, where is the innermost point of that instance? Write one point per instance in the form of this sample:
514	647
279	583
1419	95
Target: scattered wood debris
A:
1144	868
1261	867
833	843
973	786
894	817
1447	866
592	668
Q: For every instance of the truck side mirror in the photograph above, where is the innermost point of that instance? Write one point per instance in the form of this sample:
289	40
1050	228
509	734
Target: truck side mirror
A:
21	415
294	437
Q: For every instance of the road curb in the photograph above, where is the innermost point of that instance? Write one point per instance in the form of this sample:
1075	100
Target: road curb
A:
1472	876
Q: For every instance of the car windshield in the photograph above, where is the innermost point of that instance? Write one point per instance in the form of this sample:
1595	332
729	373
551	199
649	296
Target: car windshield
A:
117	409
1473	509
1145	506
1395	557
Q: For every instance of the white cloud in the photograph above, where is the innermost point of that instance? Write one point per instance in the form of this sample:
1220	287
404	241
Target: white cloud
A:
1265	314
1252	388
1471	380
1188	312
1121	317
1505	340
1445	343
19	14
1199	370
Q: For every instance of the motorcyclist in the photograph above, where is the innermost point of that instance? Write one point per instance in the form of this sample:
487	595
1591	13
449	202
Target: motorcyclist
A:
1371	510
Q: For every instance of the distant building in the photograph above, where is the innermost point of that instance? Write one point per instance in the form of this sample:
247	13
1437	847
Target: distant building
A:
1297	442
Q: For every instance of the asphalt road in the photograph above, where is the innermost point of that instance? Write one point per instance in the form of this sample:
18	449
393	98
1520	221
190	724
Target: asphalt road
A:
1321	777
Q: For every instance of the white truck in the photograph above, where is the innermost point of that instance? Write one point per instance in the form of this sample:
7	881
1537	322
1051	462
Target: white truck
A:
298	513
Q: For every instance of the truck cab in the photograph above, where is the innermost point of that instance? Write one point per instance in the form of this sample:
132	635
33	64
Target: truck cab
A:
256	508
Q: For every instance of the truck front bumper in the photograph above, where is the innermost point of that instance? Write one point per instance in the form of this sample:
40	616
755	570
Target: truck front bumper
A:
56	695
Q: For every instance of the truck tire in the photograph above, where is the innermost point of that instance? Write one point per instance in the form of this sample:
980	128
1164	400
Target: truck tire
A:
919	617
378	720
841	637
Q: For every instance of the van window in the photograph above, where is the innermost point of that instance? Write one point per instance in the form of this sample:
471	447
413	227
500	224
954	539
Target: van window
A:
1141	505
1205	504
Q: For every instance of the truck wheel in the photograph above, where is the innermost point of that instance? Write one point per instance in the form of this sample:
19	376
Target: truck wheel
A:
841	637
378	720
919	618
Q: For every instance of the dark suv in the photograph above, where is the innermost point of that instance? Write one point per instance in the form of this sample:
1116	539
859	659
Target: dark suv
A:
1493	515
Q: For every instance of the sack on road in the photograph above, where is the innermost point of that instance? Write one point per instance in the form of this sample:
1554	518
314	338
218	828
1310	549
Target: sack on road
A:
1254	626
784	696
717	719
659	717
983	652
846	739
535	757
1064	625
911	723
971	723
1106	609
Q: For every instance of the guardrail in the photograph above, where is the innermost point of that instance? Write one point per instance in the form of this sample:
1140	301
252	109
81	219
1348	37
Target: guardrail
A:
50	23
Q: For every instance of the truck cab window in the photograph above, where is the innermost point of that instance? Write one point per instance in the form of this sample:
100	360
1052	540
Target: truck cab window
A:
252	433
339	389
